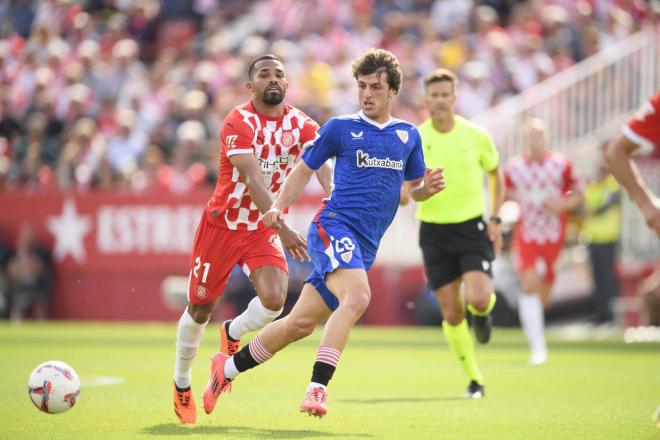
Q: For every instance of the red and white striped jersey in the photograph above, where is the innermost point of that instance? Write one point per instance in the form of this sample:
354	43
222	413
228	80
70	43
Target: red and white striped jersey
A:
276	143
533	184
644	127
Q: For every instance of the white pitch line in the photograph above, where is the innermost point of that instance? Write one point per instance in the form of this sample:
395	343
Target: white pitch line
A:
101	381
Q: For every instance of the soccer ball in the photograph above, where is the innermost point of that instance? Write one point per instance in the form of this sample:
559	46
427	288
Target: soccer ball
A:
53	387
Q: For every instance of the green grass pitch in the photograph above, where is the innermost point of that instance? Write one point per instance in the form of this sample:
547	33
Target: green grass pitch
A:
398	383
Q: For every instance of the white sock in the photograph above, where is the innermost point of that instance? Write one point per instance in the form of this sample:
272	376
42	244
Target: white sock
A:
255	317
313	385
530	311
230	369
188	336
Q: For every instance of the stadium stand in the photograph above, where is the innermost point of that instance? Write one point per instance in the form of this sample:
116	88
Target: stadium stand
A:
127	95
110	110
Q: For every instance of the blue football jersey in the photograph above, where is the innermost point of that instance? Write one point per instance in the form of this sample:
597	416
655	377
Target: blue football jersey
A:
372	161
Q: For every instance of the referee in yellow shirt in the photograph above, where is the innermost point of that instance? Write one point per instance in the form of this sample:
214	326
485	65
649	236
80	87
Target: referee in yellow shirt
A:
458	244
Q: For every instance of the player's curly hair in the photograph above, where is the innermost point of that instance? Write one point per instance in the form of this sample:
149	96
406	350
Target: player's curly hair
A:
379	60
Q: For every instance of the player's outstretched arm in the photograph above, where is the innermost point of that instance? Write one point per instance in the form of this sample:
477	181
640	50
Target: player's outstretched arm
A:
496	190
294	243
247	166
324	174
291	189
423	188
251	174
404	197
627	174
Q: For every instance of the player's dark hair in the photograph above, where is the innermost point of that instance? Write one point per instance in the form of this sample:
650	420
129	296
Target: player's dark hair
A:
439	75
268	56
377	61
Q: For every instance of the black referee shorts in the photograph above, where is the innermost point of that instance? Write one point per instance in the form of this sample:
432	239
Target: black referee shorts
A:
452	249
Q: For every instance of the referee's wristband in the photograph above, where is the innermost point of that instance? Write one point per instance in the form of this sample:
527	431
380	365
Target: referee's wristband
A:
495	219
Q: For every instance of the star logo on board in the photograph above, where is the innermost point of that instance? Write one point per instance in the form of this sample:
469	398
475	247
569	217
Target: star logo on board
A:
69	230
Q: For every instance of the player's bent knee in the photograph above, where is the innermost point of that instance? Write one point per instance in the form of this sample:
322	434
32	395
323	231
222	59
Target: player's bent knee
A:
530	282
530	287
273	299
200	313
453	317
299	328
482	302
357	302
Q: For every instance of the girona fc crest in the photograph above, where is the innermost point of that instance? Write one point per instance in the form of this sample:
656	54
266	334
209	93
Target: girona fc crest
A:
287	139
201	292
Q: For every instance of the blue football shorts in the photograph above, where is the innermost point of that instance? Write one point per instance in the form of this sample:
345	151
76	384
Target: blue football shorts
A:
331	245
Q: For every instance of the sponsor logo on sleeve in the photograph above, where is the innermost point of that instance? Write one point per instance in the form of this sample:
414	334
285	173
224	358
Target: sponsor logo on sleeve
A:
231	140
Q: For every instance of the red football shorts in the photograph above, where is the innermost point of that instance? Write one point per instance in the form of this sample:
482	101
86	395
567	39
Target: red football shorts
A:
217	250
540	258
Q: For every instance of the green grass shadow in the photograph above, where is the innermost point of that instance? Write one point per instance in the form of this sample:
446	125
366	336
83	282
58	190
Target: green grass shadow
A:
174	429
402	400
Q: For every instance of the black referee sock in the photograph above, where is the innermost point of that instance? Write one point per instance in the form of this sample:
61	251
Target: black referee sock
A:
322	372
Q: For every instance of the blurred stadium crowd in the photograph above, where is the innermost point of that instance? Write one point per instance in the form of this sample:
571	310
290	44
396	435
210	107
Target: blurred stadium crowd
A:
128	95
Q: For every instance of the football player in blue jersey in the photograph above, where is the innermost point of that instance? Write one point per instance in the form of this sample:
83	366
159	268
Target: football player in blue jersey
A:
374	154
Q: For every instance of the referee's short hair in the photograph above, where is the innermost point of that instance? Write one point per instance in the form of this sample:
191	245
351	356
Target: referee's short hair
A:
439	75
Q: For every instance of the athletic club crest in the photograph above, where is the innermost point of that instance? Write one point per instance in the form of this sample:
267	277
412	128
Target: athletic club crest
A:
403	135
287	139
201	292
344	247
346	256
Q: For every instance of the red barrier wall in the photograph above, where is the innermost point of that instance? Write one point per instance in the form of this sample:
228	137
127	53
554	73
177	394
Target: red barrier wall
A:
112	252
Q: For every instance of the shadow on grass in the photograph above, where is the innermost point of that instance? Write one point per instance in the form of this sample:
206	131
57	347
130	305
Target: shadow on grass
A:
402	400
175	429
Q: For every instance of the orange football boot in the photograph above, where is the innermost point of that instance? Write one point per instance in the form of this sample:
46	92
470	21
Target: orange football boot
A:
184	405
227	346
